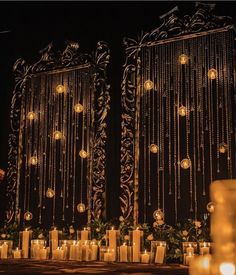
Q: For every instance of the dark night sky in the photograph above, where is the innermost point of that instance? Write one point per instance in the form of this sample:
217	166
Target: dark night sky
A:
35	24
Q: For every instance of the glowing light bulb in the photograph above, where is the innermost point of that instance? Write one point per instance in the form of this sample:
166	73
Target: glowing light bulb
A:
227	269
60	89
33	160
185	163
83	154
182	111
210	207
50	193
148	85
158	214
223	148
154	148
183	59
31	115
81	207
78	108
28	216
57	135
212	74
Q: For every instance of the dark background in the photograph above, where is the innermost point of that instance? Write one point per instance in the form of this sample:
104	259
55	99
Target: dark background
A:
33	25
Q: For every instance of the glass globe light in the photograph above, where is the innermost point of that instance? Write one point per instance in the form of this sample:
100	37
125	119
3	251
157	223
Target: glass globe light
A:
158	214
50	193
183	59
83	154
182	111
148	85
33	160
154	148
185	163
60	89
78	108
28	216
212	74
222	148
210	207
57	135
31	115
81	207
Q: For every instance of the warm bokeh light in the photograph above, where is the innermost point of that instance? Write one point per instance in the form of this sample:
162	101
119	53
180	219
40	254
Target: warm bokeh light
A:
60	89
83	154
183	59
33	160
182	111
154	148
78	108
57	135
148	85
185	163
28	216
81	207
50	193
227	269
31	115
223	148
212	74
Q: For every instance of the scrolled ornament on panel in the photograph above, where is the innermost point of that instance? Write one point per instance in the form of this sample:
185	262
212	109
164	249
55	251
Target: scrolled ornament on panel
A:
98	188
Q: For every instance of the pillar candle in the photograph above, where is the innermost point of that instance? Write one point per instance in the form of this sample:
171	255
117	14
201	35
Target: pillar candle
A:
112	236
17	253
190	249
94	252
204	249
54	239
123	253
78	252
72	254
160	254
35	250
85	252
25	243
108	256
4	250
43	253
145	258
136	245
188	258
84	235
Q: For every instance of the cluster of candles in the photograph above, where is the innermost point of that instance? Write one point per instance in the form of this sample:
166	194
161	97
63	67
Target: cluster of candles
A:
190	249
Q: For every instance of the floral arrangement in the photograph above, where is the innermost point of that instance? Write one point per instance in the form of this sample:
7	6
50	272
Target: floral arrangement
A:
174	236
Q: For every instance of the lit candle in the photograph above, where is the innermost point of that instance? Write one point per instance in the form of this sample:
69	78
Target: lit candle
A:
145	258
123	253
54	239
94	251
4	250
84	235
136	245
25	243
73	251
188	258
35	249
58	254
160	254
85	252
17	253
112	237
204	249
108	256
43	253
200	265
190	249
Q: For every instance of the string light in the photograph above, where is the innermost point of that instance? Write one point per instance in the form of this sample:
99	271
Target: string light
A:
154	148
83	154
33	160
78	108
31	115
158	214
182	111
28	216
212	74
183	59
185	163
50	193
148	85
81	207
222	148
57	135
60	89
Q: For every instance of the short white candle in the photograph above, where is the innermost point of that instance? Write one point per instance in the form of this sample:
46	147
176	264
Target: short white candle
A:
190	249
85	251
17	253
188	258
204	249
4	250
72	252
94	251
43	253
108	256
123	253
145	258
160	254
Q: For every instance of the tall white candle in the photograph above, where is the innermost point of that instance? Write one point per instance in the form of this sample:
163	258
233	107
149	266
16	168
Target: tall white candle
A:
73	251
123	253
4	250
160	254
136	245
84	235
85	252
54	239
112	237
189	257
25	243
